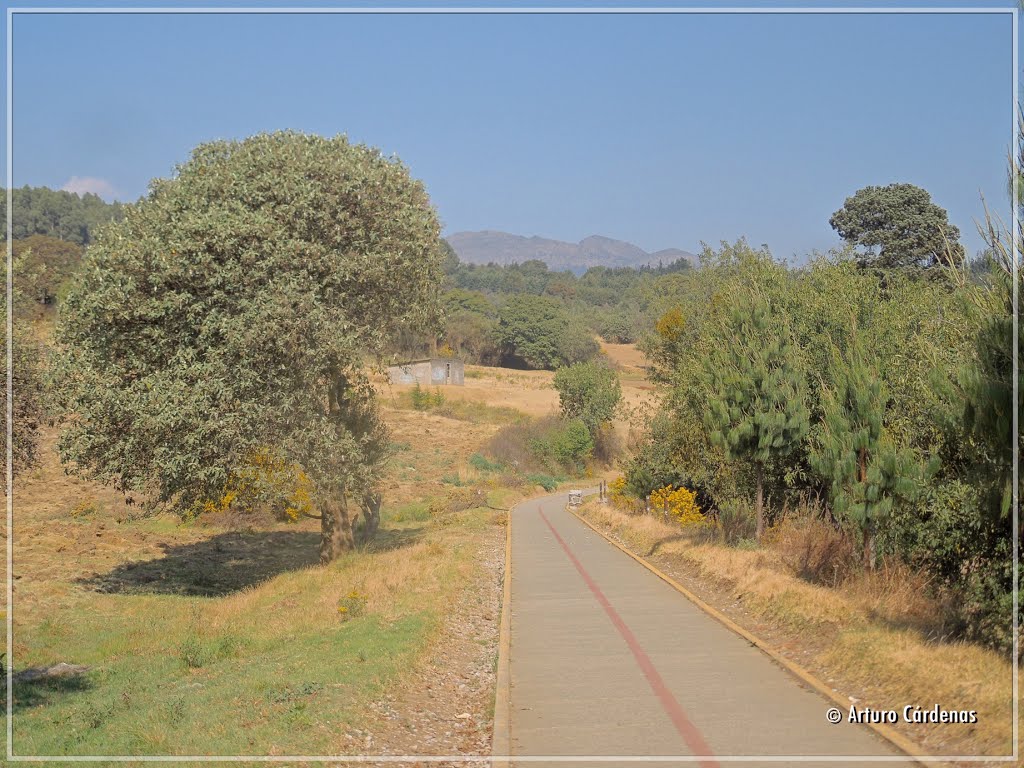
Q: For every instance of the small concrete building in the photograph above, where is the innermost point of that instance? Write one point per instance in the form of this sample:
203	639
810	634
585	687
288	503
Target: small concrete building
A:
429	371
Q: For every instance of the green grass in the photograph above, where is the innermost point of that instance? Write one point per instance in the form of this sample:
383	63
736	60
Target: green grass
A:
416	512
483	464
167	687
272	667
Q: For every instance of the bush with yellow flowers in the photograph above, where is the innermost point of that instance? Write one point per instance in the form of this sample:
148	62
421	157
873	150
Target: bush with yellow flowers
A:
265	481
351	605
678	502
617	488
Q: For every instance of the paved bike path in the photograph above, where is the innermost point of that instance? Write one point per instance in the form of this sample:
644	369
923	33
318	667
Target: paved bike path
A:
607	659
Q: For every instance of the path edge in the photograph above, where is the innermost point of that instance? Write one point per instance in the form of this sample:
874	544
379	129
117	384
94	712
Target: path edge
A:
898	740
501	736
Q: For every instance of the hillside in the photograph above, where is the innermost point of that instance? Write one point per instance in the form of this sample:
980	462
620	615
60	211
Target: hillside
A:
491	247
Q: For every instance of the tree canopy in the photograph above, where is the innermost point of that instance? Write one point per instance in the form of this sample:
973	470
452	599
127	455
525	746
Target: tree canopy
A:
903	223
227	317
588	391
538	331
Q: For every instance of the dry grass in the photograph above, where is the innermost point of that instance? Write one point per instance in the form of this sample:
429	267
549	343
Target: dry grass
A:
183	627
877	636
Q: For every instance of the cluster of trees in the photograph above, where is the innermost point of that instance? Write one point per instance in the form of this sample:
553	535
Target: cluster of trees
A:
215	336
55	213
879	383
525	315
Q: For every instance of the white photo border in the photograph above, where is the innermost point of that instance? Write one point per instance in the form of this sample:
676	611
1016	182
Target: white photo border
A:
1016	250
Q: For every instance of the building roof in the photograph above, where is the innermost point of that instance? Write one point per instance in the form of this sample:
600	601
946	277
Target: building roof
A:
426	360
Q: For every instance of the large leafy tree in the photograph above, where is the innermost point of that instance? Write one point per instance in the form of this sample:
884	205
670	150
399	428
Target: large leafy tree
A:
903	223
228	315
756	404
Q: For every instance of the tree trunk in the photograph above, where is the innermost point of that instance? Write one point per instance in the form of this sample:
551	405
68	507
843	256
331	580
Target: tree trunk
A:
869	528
336	534
371	515
869	545
759	501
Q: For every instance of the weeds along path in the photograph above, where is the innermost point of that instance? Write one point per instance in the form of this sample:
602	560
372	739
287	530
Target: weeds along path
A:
607	659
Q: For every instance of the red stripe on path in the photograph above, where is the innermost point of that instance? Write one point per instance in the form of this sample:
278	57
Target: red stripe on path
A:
691	735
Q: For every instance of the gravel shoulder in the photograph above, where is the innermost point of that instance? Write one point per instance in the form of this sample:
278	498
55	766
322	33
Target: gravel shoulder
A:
446	705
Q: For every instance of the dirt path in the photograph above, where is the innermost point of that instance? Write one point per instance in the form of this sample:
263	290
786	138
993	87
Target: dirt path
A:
606	659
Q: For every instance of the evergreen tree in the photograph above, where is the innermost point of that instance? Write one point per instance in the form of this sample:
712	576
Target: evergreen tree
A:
756	391
853	454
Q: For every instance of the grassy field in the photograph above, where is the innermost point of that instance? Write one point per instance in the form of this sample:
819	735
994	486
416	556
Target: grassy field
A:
225	636
875	637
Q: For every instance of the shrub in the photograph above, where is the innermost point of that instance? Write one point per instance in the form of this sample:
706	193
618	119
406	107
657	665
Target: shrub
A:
815	549
590	392
482	464
617	329
193	652
351	605
736	522
425	400
680	503
547	482
550	445
569	445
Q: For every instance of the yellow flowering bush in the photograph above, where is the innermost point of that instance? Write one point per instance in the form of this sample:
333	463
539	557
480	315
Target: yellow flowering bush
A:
351	605
266	480
617	488
621	499
680	503
671	325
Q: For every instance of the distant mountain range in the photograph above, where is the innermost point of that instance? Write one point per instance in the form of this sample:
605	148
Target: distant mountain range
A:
489	247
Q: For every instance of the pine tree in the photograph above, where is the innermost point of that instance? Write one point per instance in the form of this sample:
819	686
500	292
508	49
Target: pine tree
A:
757	389
866	472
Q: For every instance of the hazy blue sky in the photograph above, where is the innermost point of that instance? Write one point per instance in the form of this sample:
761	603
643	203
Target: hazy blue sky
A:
663	130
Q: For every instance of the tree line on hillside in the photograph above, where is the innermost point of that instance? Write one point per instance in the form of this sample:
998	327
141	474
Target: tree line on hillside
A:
59	214
528	316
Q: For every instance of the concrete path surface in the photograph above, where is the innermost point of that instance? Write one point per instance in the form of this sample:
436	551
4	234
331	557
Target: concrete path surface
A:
606	659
